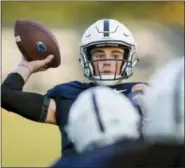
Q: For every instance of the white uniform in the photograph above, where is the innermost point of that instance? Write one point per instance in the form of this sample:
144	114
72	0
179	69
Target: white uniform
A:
164	104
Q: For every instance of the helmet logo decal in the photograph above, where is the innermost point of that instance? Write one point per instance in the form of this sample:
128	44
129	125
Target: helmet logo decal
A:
88	35
126	35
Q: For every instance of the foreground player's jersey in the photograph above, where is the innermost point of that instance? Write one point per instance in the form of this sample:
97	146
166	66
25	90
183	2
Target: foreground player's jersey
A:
100	157
128	154
65	94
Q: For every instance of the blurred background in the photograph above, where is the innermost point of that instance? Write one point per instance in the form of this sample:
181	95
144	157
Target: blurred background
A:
158	28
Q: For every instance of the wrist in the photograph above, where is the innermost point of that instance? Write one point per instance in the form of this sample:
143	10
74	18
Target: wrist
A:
24	70
26	66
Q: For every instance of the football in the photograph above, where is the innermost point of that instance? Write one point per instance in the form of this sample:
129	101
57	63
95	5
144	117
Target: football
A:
36	42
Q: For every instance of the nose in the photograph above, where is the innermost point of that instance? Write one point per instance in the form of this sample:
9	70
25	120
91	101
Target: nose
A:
107	63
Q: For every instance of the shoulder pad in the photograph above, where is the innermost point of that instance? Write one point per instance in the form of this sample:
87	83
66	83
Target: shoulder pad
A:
68	90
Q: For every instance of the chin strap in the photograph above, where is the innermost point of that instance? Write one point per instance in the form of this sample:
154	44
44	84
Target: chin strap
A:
107	80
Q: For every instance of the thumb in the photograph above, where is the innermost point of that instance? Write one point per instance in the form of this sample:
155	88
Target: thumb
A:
47	60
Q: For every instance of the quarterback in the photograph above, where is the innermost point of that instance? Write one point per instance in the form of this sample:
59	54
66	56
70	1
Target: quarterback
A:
107	56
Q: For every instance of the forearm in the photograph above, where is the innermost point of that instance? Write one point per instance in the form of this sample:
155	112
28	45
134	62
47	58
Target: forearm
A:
14	81
32	106
26	104
29	105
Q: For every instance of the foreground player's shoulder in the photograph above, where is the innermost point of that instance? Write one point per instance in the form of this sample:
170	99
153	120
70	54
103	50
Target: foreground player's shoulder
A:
131	84
127	87
94	158
69	88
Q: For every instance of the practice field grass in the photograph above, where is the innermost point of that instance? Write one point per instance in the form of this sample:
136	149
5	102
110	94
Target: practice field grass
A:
28	144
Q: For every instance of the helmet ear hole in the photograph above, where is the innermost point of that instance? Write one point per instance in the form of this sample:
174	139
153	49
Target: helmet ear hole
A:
88	69
88	52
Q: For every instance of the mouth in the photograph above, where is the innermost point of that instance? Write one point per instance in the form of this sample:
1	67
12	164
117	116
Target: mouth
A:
107	72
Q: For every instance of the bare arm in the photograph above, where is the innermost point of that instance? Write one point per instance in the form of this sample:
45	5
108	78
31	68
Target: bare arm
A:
51	117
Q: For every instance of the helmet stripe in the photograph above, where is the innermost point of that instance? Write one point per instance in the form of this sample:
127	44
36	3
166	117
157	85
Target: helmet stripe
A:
106	28
177	95
97	112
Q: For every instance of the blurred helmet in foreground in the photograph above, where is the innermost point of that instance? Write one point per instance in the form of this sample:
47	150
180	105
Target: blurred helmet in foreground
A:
164	104
101	117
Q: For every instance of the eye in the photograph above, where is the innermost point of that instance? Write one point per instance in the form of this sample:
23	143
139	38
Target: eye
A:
100	56
117	56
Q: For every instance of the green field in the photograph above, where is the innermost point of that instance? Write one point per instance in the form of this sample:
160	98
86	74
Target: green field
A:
28	144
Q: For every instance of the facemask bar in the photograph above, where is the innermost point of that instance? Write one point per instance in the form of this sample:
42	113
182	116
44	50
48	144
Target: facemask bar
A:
99	75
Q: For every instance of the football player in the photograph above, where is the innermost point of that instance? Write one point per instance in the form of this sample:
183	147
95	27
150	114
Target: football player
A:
164	105
164	130
107	56
101	128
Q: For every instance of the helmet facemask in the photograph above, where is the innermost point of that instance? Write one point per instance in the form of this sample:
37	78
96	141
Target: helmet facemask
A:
125	69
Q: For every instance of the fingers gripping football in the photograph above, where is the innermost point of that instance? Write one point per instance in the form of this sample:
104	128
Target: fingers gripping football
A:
36	42
38	65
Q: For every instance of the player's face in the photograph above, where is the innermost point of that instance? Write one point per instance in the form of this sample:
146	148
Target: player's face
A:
107	66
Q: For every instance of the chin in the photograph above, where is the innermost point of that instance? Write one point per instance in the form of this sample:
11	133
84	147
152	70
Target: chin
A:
107	79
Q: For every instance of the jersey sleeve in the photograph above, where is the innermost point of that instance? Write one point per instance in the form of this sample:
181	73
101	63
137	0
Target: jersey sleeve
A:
55	94
64	96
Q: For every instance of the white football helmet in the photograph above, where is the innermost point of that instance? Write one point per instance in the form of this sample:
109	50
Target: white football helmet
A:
108	32
99	117
164	104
